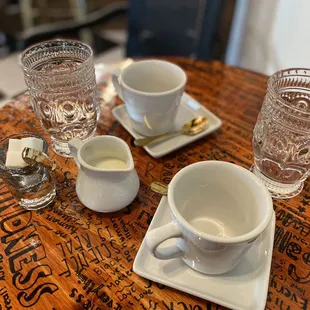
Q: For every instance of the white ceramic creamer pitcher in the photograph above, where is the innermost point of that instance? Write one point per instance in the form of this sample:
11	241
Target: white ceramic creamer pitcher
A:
107	180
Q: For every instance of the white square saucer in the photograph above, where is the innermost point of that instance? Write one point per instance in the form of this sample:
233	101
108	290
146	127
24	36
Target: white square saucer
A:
244	288
189	108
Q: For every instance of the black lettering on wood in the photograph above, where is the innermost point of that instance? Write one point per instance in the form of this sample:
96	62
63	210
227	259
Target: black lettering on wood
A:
292	271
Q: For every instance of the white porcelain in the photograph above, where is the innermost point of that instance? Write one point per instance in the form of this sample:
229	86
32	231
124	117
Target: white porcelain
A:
243	288
189	108
151	90
218	209
104	190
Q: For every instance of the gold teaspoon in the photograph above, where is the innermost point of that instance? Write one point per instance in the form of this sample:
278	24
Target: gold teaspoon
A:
191	128
32	156
159	188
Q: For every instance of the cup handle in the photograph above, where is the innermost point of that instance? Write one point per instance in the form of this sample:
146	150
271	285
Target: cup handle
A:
158	235
117	85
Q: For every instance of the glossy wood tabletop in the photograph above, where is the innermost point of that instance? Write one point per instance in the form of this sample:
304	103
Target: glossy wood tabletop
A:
68	257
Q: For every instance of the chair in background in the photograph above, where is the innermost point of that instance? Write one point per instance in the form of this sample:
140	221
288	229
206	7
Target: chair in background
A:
45	12
174	27
190	28
71	28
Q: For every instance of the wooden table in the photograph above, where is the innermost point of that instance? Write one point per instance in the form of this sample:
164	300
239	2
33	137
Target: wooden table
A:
68	257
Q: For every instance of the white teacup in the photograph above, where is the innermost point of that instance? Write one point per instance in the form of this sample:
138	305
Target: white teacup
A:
152	91
218	209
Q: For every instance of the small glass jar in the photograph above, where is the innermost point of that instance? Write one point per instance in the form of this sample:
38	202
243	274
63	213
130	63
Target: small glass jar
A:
281	140
33	186
60	77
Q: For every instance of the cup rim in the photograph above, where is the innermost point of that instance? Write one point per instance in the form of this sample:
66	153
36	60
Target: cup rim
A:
182	84
298	71
83	163
216	239
86	63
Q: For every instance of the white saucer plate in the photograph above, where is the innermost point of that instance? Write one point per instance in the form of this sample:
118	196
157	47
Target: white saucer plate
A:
244	288
189	108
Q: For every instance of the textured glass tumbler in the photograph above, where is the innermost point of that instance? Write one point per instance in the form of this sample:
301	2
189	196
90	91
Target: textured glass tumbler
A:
60	77
32	186
281	140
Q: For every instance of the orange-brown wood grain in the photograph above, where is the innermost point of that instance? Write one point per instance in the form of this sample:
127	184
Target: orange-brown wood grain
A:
68	257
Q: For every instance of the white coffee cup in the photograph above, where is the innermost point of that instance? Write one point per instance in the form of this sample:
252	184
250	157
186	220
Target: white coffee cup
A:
152	91
218	210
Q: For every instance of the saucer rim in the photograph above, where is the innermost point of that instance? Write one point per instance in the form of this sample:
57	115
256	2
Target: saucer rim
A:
158	154
261	302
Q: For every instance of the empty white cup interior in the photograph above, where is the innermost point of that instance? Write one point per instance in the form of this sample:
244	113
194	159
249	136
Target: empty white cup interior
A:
153	76
220	199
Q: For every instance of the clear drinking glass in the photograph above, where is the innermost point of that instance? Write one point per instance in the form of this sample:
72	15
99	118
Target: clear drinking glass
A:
281	140
33	186
60	77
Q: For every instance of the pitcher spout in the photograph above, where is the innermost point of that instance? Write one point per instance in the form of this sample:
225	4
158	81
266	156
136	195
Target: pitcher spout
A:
130	162
74	145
